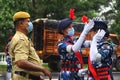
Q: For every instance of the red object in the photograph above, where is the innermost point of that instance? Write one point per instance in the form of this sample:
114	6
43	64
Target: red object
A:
100	73
85	19
11	37
71	15
92	70
79	57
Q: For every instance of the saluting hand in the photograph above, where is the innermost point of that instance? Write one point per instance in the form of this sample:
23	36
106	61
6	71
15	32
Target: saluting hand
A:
99	35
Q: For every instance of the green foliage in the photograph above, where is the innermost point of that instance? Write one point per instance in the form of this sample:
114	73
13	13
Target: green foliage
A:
115	27
7	10
59	9
3	68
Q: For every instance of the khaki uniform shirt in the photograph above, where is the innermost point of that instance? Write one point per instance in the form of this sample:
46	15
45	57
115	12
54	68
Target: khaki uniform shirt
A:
21	48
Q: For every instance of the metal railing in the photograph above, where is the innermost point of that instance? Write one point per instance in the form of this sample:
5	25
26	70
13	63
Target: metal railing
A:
2	59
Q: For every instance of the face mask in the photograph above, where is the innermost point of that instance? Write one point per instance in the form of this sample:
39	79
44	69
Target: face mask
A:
71	32
30	27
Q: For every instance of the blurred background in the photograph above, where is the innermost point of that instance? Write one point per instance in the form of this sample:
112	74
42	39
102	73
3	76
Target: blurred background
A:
109	10
45	34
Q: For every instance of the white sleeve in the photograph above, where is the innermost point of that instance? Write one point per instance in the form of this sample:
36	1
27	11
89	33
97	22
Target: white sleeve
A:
69	48
93	51
94	55
77	45
79	42
87	28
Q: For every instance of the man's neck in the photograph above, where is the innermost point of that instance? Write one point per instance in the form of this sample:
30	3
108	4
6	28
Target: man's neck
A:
23	31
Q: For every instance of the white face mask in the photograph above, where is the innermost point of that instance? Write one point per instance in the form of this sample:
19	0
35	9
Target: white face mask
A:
71	32
30	27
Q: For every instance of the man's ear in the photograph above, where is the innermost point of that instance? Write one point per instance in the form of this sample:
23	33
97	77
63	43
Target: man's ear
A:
20	23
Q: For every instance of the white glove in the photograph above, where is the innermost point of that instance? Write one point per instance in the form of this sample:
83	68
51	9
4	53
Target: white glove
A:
88	27
82	72
79	42
99	35
94	55
93	50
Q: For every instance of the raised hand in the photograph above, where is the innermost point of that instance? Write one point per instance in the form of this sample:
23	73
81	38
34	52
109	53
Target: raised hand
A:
88	26
99	35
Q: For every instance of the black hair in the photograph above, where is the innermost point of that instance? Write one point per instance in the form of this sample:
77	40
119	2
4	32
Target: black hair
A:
107	34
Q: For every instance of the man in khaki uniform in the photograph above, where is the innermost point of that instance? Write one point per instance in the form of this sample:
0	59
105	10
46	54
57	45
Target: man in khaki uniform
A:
26	63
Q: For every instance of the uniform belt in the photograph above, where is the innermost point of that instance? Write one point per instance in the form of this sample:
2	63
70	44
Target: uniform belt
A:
21	73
